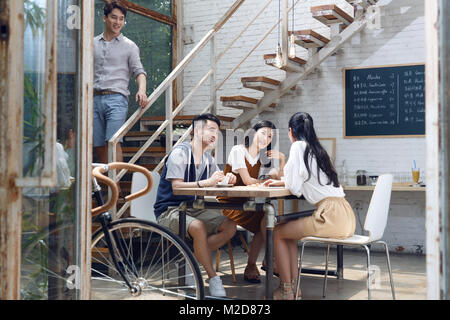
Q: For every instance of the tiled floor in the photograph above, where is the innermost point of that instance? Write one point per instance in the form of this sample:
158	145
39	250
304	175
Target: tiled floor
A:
409	273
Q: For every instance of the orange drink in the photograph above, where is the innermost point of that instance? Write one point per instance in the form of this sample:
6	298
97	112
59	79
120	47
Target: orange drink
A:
415	175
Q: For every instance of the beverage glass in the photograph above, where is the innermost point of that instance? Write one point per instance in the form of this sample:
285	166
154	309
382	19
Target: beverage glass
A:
415	175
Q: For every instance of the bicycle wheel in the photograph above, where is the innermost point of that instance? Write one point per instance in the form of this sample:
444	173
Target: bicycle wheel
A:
46	256
157	264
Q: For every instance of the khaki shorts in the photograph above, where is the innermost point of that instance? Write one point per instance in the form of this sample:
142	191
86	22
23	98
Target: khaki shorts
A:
334	218
212	218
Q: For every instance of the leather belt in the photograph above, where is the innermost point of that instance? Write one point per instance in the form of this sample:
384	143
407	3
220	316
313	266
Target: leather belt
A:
104	92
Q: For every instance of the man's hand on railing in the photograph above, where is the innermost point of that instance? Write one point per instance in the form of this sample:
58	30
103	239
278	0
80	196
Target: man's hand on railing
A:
141	96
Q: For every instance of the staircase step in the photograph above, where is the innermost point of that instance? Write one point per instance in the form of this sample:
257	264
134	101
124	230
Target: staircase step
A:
150	152
138	135
144	136
125	186
182	120
99	254
95	226
294	64
241	102
363	3
309	39
263	84
330	14
149	166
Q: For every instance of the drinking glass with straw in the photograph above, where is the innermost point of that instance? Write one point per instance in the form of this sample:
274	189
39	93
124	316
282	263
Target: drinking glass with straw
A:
415	173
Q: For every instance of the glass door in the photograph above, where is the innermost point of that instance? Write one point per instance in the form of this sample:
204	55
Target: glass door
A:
52	214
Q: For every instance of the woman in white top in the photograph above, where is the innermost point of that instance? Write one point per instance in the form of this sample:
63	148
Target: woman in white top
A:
246	162
308	172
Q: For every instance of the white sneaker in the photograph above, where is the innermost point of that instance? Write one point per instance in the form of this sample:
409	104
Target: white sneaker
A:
216	288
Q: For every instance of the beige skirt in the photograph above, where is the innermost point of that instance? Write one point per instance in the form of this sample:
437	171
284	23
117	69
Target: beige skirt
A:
334	218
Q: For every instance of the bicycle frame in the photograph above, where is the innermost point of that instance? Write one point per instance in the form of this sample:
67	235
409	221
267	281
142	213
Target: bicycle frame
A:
116	242
105	219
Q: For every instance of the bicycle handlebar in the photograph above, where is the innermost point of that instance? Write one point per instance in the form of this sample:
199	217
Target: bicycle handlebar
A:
99	171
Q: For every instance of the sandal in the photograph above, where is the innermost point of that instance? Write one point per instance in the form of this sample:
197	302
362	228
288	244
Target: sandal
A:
251	274
284	292
264	268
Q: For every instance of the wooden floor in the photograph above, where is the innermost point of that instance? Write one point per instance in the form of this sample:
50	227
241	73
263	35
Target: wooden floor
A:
409	273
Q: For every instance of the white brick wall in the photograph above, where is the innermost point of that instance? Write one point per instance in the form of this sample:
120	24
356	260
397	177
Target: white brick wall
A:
401	40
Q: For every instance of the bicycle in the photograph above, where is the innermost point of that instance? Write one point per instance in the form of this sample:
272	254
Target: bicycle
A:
133	258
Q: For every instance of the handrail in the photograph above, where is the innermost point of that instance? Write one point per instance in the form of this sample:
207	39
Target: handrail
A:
243	30
163	87
285	50
174	74
166	86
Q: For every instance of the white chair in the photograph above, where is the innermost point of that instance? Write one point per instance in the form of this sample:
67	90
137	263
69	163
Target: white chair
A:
375	223
142	207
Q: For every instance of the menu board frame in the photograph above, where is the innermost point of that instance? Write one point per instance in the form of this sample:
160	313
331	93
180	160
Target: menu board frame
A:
345	105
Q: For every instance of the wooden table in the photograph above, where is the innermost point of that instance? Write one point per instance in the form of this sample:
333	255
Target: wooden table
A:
250	205
241	191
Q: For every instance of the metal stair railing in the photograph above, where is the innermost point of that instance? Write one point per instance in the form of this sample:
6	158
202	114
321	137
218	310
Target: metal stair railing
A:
166	87
292	79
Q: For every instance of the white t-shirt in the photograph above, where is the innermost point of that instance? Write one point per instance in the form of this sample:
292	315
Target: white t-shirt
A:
295	176
237	156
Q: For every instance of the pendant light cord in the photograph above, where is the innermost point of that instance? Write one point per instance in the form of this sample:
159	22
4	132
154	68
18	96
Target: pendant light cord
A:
293	10
279	20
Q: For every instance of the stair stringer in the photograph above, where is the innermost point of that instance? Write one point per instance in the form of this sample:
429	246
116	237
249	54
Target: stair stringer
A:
336	43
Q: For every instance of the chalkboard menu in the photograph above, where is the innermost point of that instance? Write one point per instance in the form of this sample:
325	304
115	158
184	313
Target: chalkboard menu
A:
385	101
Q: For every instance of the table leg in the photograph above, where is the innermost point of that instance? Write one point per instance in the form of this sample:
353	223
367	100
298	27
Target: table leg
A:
182	234
270	224
340	261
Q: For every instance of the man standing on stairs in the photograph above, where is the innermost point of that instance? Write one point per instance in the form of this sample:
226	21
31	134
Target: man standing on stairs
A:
190	166
115	59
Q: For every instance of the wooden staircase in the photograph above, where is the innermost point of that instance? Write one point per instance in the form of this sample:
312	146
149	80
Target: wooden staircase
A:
309	39
330	14
294	64
316	46
241	102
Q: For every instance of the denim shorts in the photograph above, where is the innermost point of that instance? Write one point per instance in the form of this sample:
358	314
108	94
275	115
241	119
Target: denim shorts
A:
110	113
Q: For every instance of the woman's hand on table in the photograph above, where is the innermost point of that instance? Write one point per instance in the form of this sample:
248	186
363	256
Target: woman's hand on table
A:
231	178
214	179
273	183
218	177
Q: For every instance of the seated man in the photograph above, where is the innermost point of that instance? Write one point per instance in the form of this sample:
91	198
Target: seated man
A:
188	166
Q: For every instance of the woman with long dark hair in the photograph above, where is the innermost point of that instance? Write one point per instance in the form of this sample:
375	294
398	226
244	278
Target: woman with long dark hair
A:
308	172
246	161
